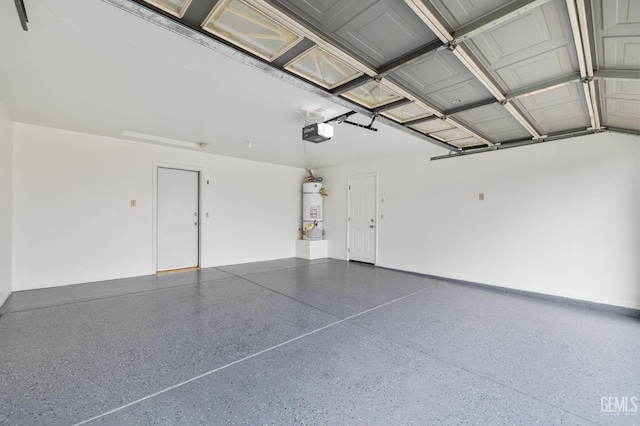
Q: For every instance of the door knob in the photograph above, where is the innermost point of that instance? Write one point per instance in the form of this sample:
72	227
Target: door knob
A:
195	214
371	226
196	223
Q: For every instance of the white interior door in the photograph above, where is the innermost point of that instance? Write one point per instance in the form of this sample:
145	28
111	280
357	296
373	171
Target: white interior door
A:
178	221
362	219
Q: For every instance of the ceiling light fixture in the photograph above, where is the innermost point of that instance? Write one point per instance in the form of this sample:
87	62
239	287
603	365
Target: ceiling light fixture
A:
162	140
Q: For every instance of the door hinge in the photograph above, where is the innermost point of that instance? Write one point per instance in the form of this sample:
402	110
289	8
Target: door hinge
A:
349	250
349	219
349	187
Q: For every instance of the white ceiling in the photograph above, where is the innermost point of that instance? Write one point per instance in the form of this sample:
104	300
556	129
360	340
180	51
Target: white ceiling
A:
90	67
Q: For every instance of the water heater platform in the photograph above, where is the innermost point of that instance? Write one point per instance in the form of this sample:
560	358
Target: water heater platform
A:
311	249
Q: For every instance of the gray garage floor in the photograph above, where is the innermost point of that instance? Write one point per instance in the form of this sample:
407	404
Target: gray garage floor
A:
321	342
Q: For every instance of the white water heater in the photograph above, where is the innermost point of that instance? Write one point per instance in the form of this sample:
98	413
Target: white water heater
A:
312	210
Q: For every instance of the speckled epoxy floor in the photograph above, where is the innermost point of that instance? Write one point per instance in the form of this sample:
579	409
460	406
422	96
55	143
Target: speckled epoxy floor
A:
298	342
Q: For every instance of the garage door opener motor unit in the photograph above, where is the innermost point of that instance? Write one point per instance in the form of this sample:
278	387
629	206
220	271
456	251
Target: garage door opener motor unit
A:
318	132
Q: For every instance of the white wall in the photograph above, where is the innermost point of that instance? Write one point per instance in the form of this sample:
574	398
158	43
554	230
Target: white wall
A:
6	154
559	218
73	221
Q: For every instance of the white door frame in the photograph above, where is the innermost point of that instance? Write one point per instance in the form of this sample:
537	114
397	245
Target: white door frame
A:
154	202
375	231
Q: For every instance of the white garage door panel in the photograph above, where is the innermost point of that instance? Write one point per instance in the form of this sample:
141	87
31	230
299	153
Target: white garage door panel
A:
460	12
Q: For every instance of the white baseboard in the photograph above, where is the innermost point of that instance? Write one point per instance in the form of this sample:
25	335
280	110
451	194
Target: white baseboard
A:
536	292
